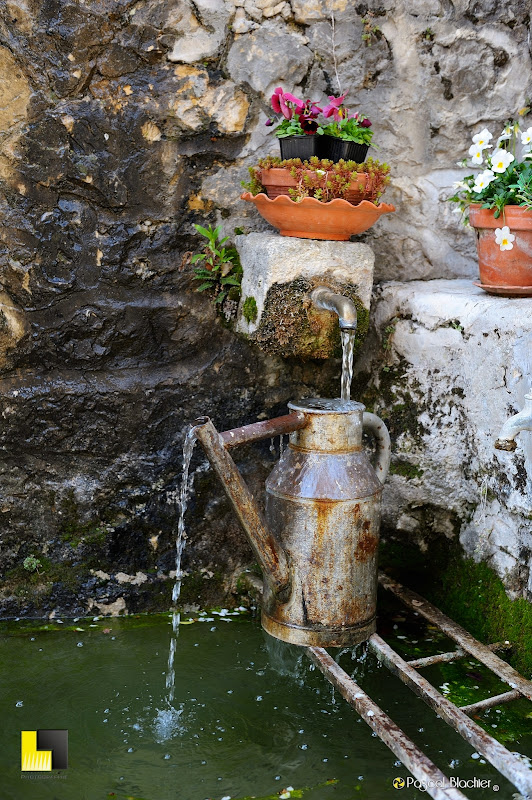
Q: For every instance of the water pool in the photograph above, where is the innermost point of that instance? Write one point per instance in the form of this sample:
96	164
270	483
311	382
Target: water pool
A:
251	716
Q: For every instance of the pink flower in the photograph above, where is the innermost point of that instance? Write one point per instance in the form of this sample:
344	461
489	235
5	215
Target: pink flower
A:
334	109
282	102
311	109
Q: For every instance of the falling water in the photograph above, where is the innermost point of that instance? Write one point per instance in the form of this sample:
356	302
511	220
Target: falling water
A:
348	343
188	447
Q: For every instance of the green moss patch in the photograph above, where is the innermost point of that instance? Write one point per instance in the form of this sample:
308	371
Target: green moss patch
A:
405	469
470	593
249	309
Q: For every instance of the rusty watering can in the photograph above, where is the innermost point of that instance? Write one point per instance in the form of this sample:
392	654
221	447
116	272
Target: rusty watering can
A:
317	544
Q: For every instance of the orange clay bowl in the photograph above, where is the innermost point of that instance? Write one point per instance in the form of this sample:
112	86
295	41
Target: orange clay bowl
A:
310	219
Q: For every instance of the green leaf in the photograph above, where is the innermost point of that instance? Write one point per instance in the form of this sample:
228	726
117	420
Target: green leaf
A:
204	231
198	257
220	298
204	286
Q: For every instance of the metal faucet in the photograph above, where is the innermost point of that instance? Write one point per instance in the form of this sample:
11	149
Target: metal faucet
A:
514	425
322	297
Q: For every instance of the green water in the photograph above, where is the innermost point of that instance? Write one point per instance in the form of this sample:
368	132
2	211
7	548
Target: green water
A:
251	716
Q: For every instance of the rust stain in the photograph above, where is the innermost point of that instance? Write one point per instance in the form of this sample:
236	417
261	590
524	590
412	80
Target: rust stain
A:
321	532
367	543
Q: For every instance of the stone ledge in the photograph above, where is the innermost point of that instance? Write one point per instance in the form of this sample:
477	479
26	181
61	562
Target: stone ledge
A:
449	364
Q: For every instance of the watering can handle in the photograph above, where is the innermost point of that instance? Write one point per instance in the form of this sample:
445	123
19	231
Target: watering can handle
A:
374	425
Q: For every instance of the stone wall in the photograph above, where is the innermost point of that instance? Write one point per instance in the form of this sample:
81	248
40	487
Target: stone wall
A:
445	366
122	122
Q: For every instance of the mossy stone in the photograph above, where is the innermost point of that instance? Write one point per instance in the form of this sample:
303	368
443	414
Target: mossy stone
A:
291	326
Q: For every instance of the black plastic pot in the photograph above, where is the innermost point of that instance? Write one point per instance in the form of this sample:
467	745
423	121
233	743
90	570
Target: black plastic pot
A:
335	149
302	147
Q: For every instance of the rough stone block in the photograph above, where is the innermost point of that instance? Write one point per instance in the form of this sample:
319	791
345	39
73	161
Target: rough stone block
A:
450	364
279	275
268	258
268	57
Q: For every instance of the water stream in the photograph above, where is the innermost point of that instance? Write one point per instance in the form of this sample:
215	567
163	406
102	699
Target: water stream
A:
348	343
188	449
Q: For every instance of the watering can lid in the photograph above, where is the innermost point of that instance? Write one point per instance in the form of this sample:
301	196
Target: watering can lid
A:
324	405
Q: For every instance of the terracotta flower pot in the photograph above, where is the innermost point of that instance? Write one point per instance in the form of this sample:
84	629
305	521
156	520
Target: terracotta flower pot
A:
310	219
277	181
504	271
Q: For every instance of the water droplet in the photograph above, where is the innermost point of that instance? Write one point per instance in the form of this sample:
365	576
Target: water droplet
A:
304	747
19	704
167	756
80	644
130	750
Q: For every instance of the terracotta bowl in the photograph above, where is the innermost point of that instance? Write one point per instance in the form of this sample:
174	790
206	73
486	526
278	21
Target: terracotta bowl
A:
503	268
311	219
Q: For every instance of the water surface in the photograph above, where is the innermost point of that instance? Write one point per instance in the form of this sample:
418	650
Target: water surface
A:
250	716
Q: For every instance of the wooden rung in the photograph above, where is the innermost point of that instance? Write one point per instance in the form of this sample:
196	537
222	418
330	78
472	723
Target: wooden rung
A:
489	702
440	658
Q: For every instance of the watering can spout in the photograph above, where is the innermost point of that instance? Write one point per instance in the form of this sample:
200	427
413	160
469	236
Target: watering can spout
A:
270	555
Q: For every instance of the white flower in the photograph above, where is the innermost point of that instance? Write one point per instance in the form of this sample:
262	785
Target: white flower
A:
526	136
476	153
504	238
460	185
482	139
501	160
482	180
507	133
